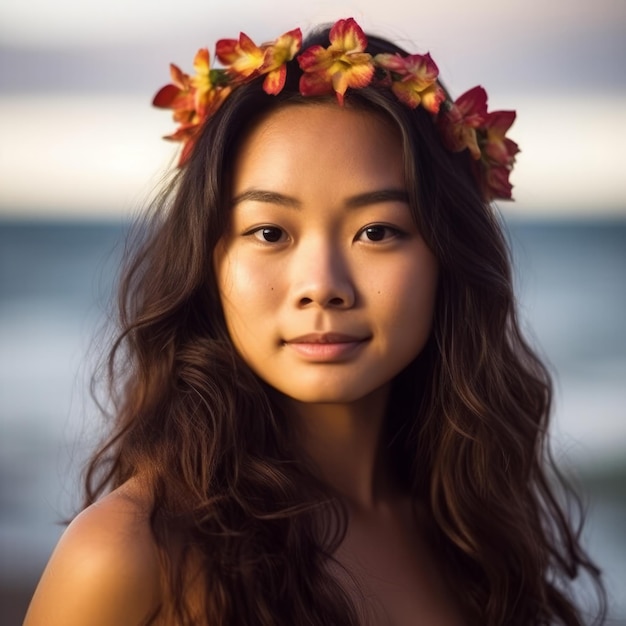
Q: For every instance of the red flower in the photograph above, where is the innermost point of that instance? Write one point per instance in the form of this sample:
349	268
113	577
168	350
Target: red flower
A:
498	148
413	79
497	183
498	154
459	123
343	64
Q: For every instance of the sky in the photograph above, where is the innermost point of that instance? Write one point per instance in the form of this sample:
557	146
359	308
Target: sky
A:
79	137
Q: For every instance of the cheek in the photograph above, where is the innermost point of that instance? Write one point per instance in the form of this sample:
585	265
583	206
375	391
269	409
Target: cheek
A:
246	289
407	304
406	289
422	289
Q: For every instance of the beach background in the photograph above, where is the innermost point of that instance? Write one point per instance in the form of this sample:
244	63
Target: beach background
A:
81	153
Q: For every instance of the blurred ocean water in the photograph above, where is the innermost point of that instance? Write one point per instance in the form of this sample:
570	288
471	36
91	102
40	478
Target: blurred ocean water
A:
56	281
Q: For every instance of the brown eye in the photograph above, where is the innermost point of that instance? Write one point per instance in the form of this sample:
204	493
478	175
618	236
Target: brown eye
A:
268	234
375	233
378	232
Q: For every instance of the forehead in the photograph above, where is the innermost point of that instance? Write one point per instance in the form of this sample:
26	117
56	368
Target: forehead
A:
320	145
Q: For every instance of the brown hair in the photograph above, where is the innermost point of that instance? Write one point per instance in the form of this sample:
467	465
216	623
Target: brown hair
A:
467	420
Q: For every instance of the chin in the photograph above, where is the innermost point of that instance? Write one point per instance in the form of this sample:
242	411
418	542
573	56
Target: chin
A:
339	394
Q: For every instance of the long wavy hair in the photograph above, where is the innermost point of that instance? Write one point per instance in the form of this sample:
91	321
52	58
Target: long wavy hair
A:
467	423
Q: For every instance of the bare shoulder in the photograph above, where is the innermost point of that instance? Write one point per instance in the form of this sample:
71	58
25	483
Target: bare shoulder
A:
104	570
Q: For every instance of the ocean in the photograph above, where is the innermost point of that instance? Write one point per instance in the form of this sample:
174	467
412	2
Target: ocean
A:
56	283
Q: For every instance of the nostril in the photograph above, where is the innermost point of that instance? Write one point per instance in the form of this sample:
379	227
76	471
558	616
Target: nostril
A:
335	301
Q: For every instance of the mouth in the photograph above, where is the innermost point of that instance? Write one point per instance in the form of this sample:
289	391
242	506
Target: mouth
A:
326	338
326	347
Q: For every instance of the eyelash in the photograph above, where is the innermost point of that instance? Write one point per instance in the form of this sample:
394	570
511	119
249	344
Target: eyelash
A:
392	230
258	233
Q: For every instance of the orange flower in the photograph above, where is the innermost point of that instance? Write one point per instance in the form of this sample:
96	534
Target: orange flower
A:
242	57
276	55
413	79
202	80
178	95
192	100
459	123
343	64
463	124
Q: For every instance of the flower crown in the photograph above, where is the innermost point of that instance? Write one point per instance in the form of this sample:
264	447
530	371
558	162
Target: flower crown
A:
463	124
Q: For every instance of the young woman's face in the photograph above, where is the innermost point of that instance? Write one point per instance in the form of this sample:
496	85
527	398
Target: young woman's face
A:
327	286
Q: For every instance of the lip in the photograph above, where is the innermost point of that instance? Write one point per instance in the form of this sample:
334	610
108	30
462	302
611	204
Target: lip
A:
326	347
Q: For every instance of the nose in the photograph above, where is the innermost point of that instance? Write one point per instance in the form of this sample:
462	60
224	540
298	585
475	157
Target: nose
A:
322	277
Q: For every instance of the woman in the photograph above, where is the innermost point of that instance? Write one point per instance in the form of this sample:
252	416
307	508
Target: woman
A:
325	411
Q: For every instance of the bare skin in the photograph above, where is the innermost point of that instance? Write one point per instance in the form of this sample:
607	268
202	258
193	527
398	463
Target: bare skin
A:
396	570
384	549
105	569
302	260
106	572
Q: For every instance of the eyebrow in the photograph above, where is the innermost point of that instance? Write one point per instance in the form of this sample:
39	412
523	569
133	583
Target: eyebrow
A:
377	197
269	197
354	202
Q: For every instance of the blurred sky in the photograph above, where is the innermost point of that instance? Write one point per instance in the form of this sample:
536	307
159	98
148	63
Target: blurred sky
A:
76	78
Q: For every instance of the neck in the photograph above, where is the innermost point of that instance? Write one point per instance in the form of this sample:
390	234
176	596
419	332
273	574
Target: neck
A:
345	443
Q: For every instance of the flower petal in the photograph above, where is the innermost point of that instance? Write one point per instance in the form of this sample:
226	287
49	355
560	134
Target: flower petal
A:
275	80
498	185
315	58
183	132
391	62
282	50
456	134
226	50
433	97
499	148
405	93
348	35
243	57
500	121
423	67
472	106
413	77
355	76
343	64
166	96
316	64
179	78
315	84
202	62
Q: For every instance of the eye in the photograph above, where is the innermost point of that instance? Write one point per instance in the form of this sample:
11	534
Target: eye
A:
268	234
378	232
